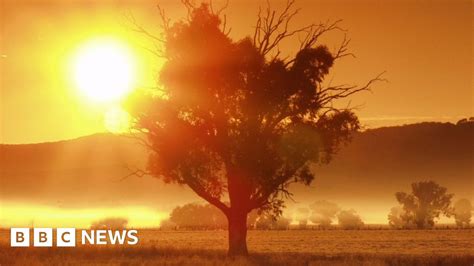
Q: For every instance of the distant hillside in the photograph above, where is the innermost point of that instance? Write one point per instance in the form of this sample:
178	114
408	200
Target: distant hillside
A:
379	162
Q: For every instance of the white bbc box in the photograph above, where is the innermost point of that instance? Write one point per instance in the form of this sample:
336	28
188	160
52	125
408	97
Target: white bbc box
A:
43	237
20	237
66	237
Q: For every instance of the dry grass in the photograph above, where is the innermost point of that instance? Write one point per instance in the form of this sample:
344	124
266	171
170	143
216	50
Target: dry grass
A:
335	247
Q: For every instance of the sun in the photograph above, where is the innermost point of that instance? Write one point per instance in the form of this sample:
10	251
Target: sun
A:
104	70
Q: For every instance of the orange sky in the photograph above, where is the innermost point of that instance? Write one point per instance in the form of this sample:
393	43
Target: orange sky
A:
425	47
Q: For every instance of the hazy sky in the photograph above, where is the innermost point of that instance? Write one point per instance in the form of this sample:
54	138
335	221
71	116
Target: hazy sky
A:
425	47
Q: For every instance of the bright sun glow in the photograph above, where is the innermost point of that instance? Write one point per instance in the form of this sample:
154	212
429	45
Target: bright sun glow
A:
116	120
32	215
104	70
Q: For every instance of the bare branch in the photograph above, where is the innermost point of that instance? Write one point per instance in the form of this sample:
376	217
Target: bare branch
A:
224	26
315	31
329	94
139	139
279	187
137	172
140	29
224	7
343	49
200	191
272	28
190	6
324	100
165	21
158	41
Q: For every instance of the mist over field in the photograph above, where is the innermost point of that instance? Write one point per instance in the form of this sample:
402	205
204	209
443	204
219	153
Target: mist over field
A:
88	175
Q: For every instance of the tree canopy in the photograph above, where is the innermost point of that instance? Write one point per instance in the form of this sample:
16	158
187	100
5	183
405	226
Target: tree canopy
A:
323	212
198	216
349	219
234	120
427	201
396	218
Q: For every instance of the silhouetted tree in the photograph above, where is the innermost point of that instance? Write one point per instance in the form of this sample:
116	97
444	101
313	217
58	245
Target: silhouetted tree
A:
167	224
425	203
110	223
349	219
302	217
323	212
465	121
270	222
462	212
282	223
397	220
197	216
234	120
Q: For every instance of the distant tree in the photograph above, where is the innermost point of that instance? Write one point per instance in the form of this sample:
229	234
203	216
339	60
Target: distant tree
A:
396	218
270	222
168	225
197	216
463	212
234	119
264	222
323	212
349	219
465	121
302	217
427	202
282	223
110	223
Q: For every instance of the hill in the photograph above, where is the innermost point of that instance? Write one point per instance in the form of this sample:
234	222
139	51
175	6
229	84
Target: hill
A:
88	171
379	162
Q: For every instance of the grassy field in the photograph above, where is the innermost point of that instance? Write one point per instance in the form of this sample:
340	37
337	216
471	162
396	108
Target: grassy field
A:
294	247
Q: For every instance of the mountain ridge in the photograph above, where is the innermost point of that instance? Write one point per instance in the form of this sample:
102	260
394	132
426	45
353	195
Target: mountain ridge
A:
86	171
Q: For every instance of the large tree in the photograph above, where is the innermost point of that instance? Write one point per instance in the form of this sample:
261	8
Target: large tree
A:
269	222
349	219
323	213
198	216
424	204
396	218
234	120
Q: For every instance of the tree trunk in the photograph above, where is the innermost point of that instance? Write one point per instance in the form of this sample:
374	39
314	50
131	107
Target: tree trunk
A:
237	221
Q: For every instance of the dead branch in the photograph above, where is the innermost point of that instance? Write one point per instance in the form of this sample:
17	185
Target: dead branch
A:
158	41
271	28
137	172
140	29
343	49
165	21
329	94
190	6
140	140
315	31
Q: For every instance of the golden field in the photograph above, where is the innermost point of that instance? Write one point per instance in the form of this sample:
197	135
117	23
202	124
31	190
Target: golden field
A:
292	247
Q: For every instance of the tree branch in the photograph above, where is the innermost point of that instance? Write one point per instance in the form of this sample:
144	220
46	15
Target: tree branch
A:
137	172
200	191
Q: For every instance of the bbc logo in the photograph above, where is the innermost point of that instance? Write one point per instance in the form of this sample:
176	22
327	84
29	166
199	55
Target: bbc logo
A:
66	237
43	237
